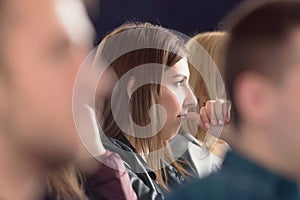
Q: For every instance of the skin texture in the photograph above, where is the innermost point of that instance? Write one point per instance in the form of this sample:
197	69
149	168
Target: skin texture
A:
176	97
37	131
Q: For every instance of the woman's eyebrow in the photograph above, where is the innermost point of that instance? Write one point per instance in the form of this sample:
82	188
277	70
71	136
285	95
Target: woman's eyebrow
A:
179	75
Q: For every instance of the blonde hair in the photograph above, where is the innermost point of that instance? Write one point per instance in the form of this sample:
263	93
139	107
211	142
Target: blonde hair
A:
65	183
144	97
208	84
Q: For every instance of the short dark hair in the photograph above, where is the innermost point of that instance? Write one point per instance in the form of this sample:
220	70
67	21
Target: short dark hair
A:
258	43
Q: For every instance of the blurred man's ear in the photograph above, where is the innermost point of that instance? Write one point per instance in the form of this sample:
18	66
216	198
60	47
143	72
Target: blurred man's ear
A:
255	99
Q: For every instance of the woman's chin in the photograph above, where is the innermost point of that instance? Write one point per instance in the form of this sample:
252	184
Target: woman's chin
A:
171	133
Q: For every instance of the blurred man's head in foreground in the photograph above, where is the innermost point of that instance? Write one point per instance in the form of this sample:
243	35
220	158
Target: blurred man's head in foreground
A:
263	78
40	55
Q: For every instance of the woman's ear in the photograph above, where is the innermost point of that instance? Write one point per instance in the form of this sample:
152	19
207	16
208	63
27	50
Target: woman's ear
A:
130	86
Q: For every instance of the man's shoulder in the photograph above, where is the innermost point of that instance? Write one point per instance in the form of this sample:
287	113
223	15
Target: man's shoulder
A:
218	186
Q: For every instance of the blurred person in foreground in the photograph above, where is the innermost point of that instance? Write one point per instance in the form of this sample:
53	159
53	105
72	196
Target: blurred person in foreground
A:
262	74
40	53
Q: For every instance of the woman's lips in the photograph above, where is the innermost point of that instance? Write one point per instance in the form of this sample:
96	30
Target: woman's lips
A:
182	117
190	115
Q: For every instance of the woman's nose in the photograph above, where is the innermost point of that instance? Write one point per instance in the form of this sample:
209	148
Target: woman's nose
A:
191	100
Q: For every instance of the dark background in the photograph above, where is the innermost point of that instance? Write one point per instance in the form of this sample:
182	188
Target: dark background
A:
186	16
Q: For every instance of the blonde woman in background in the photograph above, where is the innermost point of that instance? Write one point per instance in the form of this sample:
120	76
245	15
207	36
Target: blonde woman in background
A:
209	84
204	151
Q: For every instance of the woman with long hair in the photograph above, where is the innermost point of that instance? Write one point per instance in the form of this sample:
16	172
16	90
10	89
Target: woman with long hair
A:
150	99
209	83
204	151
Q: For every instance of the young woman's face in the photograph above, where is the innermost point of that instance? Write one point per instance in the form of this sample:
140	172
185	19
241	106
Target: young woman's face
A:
176	97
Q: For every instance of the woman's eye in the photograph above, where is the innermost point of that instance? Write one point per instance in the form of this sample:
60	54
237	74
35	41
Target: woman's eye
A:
180	83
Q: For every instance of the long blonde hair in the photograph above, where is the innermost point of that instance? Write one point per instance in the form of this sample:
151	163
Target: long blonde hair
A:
65	183
207	84
144	97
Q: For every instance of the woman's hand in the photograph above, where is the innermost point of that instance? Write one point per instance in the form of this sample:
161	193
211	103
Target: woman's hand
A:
213	117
